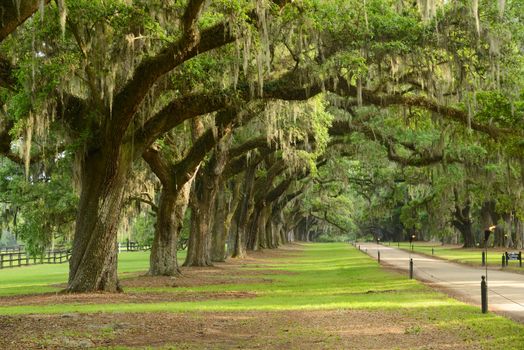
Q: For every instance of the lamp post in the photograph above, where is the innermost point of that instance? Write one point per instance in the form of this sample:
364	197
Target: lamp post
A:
484	282
486	238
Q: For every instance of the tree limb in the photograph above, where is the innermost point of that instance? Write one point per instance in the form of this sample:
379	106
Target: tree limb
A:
154	207
14	13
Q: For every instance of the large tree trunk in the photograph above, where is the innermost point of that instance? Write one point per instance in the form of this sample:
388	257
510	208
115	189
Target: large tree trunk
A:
462	221
199	246
486	214
170	217
230	225
232	235
508	234
261	229
162	260
244	210
270	229
284	238
519	234
277	235
272	233
205	188
466	230
304	228
252	235
223	220
218	252
93	263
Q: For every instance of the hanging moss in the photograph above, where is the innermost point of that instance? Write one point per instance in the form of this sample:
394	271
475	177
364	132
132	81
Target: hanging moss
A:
62	11
26	149
475	11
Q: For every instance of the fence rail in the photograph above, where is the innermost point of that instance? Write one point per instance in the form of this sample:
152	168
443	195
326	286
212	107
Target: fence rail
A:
132	246
17	256
23	258
18	248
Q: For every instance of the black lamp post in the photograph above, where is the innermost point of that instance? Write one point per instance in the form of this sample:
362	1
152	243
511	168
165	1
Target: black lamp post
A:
484	282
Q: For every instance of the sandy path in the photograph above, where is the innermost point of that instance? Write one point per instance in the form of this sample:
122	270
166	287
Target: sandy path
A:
505	289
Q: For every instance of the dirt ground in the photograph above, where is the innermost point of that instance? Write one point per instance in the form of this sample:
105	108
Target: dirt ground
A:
335	329
339	329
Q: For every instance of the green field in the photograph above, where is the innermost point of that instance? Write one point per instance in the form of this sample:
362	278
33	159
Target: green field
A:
470	256
44	278
321	277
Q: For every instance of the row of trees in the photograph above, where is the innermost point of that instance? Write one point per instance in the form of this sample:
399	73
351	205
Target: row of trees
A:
261	121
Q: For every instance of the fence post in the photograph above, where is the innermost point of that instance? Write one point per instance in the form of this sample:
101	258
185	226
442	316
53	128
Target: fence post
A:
19	258
1	261
432	251
503	260
411	268
378	256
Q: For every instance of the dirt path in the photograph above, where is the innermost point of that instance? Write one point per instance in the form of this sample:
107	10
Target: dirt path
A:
505	289
335	329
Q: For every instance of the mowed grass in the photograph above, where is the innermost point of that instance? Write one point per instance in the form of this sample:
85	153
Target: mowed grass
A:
324	277
45	278
470	256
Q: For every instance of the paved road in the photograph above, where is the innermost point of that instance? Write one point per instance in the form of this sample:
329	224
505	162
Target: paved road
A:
505	289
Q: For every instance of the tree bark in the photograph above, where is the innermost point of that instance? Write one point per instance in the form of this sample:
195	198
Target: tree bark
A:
244	210
93	264
272	234
218	252
486	217
202	204
261	228
465	229
199	245
13	15
170	217
462	221
230	222
519	234
464	225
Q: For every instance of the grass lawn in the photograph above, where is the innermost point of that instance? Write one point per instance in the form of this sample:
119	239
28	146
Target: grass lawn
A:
317	296
44	278
470	256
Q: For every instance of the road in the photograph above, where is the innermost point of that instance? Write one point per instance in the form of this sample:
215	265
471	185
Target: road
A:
505	289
